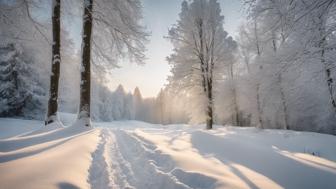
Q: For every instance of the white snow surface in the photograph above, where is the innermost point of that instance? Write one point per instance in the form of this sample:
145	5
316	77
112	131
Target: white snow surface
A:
132	154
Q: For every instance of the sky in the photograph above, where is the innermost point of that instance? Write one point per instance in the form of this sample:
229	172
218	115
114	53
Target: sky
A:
159	16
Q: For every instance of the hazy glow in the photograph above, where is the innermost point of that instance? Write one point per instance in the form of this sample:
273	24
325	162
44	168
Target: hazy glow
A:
159	15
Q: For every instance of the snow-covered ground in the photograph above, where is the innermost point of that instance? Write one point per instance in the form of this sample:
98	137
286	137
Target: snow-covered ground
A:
131	154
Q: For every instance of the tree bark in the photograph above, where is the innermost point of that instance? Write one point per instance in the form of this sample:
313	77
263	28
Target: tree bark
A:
55	65
85	86
209	118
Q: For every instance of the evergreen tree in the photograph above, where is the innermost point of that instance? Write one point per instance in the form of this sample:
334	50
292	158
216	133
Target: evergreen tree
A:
20	92
12	97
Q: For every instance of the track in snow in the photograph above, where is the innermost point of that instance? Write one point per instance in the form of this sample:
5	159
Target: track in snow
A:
145	156
125	160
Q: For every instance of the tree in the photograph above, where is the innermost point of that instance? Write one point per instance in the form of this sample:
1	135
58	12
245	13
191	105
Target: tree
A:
55	65
294	49
117	34
20	93
12	95
199	50
235	114
321	18
21	26
85	85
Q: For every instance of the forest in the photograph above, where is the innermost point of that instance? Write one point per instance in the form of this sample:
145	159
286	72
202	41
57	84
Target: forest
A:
276	73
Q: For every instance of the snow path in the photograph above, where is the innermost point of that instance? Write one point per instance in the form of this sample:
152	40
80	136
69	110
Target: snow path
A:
130	162
145	156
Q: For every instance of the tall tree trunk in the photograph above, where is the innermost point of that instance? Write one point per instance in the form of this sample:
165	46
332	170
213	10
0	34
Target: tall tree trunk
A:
209	118
206	80
326	66
55	66
259	107
85	86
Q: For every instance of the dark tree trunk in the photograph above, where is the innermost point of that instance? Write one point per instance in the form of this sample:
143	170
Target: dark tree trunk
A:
209	118
260	113
85	86
55	65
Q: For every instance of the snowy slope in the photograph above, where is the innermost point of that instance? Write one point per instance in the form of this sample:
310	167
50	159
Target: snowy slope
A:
58	158
131	154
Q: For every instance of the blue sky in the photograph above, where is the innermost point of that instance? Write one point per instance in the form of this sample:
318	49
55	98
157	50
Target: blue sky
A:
159	15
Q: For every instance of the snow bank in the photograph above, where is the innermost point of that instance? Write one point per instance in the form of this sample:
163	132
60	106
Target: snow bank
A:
67	118
56	159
